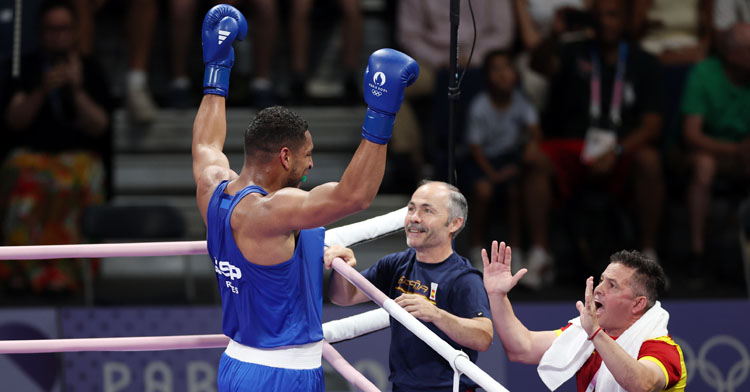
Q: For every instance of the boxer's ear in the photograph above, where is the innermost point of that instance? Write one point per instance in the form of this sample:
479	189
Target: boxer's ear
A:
285	157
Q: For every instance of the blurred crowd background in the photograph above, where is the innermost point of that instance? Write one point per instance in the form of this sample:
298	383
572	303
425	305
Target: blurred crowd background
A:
96	127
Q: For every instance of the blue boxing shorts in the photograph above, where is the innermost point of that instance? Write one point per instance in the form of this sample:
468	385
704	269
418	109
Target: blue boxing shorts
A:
244	368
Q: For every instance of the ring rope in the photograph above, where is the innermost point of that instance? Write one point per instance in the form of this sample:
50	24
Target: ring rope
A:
352	234
40	252
139	343
347	370
368	229
161	343
355	326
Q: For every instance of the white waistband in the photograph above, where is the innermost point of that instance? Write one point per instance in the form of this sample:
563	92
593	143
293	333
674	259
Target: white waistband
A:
304	356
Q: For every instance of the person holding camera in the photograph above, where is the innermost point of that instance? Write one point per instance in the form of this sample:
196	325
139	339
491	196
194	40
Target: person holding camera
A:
57	137
601	124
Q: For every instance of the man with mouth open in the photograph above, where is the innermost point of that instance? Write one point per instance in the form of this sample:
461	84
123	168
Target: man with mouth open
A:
620	340
434	284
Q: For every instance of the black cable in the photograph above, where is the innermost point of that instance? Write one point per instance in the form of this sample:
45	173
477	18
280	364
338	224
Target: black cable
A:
454	84
473	44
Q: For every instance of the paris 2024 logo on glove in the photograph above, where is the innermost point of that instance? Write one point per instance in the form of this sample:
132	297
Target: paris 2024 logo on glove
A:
378	81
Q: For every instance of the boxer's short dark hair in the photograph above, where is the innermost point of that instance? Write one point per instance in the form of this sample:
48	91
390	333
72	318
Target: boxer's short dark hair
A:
274	128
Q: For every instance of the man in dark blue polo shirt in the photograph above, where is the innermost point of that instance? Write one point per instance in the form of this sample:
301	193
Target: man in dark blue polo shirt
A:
434	284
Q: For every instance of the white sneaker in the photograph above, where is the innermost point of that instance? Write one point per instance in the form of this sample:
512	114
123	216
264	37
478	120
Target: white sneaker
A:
141	106
540	266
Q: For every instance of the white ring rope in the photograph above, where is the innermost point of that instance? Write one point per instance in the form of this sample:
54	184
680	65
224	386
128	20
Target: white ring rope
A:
160	343
138	343
357	325
334	331
367	230
345	235
40	252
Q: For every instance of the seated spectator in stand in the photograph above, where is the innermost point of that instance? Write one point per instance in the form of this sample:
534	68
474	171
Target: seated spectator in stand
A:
678	33
545	22
142	21
141	24
57	118
502	128
727	13
603	89
717	131
538	19
423	32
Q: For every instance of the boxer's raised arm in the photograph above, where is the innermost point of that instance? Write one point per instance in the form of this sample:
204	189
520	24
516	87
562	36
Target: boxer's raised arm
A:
221	26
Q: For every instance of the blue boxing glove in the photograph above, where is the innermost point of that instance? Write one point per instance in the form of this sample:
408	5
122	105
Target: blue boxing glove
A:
388	73
221	26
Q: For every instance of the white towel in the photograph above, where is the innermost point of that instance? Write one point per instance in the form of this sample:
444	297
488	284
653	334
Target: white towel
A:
572	348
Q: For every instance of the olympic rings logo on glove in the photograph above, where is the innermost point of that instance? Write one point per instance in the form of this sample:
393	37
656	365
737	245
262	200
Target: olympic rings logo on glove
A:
376	92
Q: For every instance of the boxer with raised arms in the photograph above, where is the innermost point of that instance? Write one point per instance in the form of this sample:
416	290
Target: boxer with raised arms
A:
263	232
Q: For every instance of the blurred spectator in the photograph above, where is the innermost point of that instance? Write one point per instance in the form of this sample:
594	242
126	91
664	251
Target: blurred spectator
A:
675	31
539	18
678	33
727	13
85	10
604	89
423	32
547	21
141	29
717	130
141	24
264	23
57	118
502	128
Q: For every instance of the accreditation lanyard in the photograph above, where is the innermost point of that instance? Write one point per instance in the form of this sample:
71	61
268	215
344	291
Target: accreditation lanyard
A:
617	91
